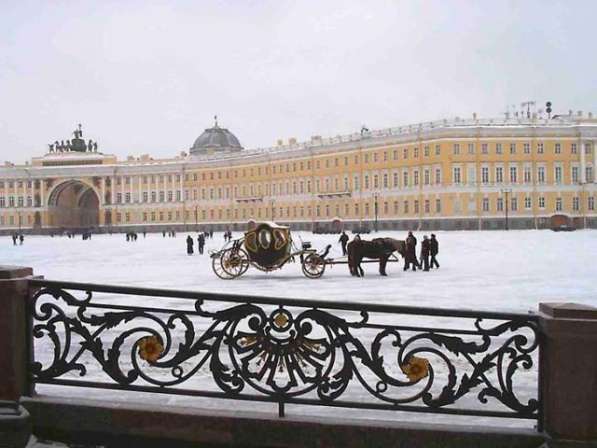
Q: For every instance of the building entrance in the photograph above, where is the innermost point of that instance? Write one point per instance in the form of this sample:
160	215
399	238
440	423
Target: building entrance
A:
73	204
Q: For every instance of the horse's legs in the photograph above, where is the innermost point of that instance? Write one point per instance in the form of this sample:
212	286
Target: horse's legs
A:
383	260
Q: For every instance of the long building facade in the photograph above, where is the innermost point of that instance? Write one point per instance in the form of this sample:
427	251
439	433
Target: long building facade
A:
450	174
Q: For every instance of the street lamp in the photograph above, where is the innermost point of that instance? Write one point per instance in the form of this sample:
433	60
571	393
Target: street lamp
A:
196	219
506	191
375	208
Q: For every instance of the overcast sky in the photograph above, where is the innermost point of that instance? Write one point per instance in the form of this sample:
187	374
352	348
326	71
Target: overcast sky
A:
148	77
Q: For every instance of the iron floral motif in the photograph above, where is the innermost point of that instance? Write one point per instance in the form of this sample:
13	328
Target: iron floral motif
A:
284	355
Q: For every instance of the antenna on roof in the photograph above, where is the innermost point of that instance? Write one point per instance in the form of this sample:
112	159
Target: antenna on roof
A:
216	121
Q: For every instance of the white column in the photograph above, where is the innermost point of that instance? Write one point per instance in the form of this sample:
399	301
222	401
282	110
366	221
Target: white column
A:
42	185
103	198
112	188
583	163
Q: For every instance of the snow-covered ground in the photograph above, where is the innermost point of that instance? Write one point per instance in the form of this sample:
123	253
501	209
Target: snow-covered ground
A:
492	271
498	271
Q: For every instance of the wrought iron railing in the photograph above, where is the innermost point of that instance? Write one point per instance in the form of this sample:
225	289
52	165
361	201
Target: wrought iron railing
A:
285	351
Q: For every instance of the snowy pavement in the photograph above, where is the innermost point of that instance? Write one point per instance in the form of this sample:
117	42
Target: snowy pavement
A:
490	271
496	271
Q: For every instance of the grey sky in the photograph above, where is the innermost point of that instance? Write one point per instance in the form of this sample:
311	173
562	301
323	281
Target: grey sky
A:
147	77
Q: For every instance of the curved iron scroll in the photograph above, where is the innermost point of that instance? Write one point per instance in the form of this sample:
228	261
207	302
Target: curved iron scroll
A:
289	353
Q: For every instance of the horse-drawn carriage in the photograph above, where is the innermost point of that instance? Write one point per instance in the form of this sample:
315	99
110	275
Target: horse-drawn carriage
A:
267	247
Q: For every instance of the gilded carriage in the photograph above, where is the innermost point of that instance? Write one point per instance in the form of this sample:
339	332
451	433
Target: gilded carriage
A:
267	246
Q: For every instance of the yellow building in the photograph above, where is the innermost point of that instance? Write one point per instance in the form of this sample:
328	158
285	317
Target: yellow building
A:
457	174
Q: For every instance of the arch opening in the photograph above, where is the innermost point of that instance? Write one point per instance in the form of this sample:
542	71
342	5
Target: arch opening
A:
73	205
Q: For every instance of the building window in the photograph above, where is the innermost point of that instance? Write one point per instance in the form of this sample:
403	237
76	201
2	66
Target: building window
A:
405	207
119	198
471	148
484	149
541	202
438	176
437	150
438	206
456	179
416	206
499	174
558	204
416	177
575	203
573	148
513	175
558	174
527	175
498	148
127	198
575	174
558	148
527	202
514	204
405	153
427	206
591	203
396	180
153	196
500	204
456	148
426	150
541	174
485	204
426	177
405	179
2	202
416	152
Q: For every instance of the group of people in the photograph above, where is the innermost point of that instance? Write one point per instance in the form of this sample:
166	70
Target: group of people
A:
227	235
428	254
427	257
200	243
171	233
17	237
132	236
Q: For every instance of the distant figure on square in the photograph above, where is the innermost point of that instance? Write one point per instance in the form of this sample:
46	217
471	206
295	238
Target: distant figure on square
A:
343	241
14	239
21	239
190	244
200	243
411	253
434	250
425	253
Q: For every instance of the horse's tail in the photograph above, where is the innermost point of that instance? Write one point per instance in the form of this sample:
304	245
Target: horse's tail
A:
350	253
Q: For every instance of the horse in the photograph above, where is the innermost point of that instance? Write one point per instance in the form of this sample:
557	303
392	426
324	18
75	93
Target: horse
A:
378	248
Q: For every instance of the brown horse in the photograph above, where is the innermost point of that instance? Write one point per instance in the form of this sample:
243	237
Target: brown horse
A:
378	248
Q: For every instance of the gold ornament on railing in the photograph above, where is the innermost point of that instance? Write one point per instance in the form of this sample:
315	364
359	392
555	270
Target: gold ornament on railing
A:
416	368
150	348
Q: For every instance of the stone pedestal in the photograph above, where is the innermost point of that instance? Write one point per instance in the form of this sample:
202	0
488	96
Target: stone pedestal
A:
569	371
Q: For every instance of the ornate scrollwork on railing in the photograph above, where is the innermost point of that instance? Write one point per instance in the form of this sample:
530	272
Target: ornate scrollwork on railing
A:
290	353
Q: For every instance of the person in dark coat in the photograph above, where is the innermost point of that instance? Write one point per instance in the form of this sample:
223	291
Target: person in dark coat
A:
21	239
14	239
190	244
434	250
411	252
200	243
425	253
343	241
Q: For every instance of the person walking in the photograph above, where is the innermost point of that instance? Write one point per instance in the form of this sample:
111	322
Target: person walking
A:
190	244
343	241
434	250
21	239
200	243
425	253
14	239
411	252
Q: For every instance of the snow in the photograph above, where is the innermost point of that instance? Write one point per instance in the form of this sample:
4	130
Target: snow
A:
495	271
491	271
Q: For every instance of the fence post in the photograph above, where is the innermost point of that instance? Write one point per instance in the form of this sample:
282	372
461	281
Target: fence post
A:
15	424
569	371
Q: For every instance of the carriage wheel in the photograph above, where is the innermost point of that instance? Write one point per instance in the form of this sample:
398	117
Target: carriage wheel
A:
313	266
231	264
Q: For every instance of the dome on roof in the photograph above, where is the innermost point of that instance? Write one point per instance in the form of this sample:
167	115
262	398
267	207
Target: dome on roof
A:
214	140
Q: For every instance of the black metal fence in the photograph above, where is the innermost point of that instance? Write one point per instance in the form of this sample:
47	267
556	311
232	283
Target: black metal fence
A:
285	351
